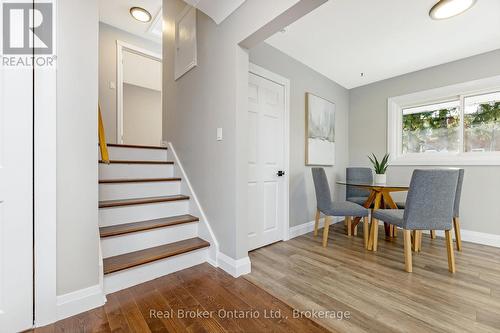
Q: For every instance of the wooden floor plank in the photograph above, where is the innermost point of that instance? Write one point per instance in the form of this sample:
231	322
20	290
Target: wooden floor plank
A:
202	288
374	287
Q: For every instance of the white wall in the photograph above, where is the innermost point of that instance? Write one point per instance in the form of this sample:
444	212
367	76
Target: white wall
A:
368	133
108	36
303	79
77	192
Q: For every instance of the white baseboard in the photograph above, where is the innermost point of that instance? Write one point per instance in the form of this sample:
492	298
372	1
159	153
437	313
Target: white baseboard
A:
79	301
474	237
232	266
304	228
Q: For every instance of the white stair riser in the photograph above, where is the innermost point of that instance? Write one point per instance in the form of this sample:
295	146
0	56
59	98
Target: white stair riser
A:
123	171
136	154
136	213
130	277
113	246
138	190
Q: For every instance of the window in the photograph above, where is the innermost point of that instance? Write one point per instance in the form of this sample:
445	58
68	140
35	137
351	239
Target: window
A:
482	123
432	128
457	124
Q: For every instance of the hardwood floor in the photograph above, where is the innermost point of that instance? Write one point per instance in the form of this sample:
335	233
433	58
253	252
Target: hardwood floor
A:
375	289
200	288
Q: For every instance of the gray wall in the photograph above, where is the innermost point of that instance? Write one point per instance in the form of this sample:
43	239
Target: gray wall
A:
368	133
209	96
77	192
192	114
108	35
303	79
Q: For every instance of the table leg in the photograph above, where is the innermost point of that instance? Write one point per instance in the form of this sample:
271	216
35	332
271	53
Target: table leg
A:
367	204
376	205
390	202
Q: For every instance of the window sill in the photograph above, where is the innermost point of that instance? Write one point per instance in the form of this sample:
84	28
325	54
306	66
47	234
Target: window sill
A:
448	160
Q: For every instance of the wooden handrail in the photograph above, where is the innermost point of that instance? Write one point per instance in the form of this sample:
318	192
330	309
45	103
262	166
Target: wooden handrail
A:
102	139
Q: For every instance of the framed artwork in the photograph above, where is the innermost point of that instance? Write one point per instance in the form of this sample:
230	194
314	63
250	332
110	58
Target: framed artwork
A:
320	131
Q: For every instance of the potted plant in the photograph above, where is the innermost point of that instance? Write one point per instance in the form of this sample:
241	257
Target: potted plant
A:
380	168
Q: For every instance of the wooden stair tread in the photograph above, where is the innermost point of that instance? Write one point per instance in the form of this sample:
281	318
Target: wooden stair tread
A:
121	145
136	162
132	259
141	201
122	229
138	180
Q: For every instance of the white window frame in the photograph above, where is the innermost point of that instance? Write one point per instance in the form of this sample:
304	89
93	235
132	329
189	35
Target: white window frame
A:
460	91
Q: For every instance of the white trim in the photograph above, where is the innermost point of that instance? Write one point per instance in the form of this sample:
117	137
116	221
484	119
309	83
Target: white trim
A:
447	93
120	47
235	267
45	151
475	237
264	73
307	227
204	229
79	301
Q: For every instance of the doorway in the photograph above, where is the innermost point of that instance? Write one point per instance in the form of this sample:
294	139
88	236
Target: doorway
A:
139	96
268	135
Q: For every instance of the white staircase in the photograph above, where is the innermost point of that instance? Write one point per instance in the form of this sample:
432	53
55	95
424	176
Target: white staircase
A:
145	223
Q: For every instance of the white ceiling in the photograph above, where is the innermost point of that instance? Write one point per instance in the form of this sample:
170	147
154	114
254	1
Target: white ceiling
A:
116	13
218	10
386	38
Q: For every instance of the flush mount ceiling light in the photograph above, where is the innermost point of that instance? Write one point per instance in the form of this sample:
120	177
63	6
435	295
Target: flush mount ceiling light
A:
448	8
140	14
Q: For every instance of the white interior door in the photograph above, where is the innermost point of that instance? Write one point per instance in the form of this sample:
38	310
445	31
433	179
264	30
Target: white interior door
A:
16	199
266	188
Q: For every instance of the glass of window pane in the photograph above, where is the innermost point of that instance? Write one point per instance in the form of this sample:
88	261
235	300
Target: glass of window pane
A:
482	123
432	128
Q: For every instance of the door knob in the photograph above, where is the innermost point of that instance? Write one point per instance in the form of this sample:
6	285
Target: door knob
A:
281	173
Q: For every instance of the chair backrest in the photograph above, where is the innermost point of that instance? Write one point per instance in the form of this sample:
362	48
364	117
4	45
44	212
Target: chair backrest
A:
359	175
322	188
458	194
430	200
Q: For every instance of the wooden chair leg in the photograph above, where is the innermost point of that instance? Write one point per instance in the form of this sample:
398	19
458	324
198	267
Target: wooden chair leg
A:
449	249
325	230
419	244
395	231
375	234
316	222
391	230
349	225
458	237
365	231
407	250
355	231
433	234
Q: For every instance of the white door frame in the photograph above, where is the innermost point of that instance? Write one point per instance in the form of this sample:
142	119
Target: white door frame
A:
266	74
45	204
120	47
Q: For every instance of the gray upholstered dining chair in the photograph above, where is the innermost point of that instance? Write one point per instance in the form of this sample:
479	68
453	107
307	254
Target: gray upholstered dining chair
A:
456	211
358	175
429	206
331	208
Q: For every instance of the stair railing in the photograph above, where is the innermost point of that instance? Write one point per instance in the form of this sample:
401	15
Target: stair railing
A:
102	139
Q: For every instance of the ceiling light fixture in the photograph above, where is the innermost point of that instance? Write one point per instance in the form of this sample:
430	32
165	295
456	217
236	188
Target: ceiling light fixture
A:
140	14
448	8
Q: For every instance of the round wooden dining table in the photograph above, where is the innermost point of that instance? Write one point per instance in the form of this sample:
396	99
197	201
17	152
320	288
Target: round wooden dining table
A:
380	197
